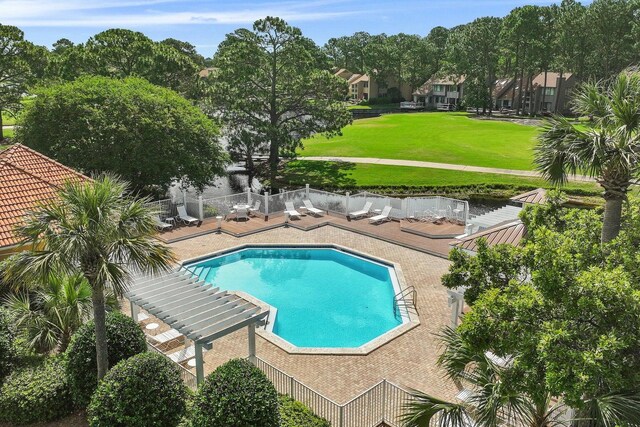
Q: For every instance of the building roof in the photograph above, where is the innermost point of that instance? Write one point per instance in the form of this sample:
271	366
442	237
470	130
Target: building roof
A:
357	78
447	80
510	232
537	196
26	179
206	72
552	79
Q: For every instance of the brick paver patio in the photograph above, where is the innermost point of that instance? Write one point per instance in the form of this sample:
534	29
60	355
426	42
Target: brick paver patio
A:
409	360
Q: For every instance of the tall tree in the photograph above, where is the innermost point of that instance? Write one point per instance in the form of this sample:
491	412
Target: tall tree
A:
438	37
607	150
19	62
275	82
93	230
147	134
473	52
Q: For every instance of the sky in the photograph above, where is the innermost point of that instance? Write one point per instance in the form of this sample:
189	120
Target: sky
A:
204	23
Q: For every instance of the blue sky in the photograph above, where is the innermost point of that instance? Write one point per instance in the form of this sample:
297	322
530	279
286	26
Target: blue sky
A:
205	22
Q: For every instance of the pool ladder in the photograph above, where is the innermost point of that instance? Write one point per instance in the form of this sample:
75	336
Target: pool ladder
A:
405	298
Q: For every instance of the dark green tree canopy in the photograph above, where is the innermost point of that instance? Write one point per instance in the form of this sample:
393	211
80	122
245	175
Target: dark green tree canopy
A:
125	53
564	306
273	82
148	135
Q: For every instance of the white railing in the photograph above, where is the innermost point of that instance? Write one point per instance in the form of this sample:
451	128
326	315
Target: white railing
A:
165	208
382	403
186	375
451	209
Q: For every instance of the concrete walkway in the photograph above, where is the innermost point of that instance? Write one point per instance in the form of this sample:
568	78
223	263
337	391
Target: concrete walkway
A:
447	166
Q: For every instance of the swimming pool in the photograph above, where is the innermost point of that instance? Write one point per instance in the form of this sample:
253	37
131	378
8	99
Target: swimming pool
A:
324	297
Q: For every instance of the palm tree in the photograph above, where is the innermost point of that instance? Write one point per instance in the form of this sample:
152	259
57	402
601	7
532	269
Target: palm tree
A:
607	150
51	313
492	400
94	230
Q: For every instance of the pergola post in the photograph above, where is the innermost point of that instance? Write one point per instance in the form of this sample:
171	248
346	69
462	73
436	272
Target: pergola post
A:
134	311
199	363
251	329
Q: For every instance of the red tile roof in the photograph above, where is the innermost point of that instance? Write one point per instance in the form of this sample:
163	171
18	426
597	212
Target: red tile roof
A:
26	179
537	196
510	232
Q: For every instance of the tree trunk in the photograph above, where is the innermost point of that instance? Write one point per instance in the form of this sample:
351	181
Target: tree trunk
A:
558	88
612	218
99	314
274	159
544	91
1	128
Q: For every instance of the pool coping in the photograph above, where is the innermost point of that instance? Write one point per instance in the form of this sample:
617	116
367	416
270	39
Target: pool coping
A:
410	320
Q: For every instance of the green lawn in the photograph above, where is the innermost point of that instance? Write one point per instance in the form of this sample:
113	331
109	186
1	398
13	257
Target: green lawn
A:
8	133
7	119
436	137
386	107
350	175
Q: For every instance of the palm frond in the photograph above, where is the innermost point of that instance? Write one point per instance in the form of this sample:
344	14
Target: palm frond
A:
610	410
422	409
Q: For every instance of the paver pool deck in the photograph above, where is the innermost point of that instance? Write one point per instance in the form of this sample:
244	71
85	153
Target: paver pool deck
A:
409	360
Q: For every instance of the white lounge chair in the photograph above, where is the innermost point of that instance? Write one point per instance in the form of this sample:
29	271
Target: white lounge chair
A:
255	210
161	225
289	209
310	208
142	317
241	213
362	212
166	337
183	355
185	217
384	216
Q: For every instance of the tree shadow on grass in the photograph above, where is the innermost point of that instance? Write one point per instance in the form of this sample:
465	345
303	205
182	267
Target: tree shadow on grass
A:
318	174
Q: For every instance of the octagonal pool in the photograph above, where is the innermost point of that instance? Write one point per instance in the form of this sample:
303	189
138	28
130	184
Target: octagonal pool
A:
323	297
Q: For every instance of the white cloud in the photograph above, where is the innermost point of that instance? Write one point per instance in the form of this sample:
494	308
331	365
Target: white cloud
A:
79	13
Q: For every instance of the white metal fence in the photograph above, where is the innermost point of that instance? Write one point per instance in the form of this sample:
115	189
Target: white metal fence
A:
382	403
274	204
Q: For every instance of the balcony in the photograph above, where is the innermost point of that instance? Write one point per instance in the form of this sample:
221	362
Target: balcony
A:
439	93
453	94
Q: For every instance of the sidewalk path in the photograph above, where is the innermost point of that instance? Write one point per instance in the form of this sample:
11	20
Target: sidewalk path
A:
448	166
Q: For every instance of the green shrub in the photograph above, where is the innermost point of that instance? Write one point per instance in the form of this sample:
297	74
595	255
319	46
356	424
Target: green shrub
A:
37	393
237	394
7	348
144	390
124	339
296	414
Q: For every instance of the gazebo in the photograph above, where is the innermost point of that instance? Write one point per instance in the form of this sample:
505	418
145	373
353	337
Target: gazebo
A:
197	310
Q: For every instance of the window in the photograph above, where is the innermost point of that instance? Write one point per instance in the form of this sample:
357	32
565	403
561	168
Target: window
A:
366	84
549	91
438	88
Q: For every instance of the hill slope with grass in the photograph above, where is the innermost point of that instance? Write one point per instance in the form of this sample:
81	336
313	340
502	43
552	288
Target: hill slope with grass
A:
436	137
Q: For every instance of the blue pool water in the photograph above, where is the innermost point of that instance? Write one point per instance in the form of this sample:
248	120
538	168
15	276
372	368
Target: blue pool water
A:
324	297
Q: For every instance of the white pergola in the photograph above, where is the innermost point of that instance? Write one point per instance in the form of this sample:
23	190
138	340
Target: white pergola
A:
199	311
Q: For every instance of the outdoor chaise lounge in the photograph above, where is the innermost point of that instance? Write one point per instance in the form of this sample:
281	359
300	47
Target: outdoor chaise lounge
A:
161	225
289	209
384	216
142	317
311	209
183	355
362	212
166	337
185	217
255	210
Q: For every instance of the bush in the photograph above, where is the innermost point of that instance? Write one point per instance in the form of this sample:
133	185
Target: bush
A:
124	339
237	394
144	390
37	393
7	348
296	414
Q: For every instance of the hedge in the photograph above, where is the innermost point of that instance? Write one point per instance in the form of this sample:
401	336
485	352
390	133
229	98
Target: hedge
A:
37	393
296	414
236	394
143	391
124	339
7	348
